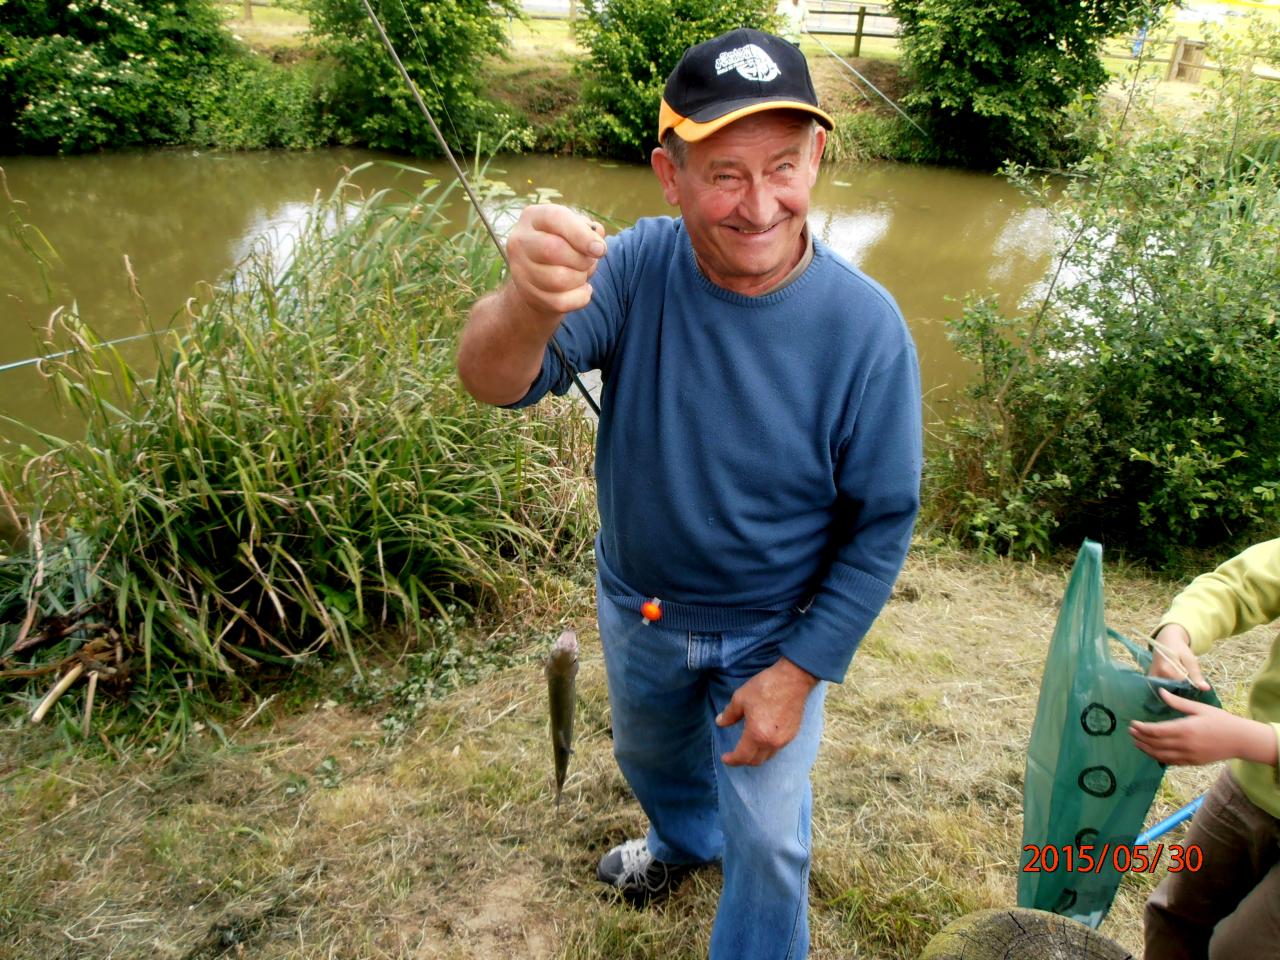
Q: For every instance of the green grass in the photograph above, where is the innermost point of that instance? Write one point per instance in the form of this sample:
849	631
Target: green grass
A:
271	28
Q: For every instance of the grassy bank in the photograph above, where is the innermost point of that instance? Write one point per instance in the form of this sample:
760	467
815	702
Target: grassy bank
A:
310	834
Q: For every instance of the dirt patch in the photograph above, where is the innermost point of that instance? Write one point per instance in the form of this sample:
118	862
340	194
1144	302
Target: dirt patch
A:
501	921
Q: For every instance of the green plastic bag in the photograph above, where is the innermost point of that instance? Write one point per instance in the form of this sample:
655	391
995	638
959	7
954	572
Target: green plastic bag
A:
1088	788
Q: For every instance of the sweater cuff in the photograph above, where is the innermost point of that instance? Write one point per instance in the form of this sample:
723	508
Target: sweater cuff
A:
825	638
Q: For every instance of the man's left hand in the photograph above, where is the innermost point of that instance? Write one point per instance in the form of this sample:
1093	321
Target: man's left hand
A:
772	705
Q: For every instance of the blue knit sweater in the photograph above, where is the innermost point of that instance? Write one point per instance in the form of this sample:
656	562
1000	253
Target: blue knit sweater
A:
754	454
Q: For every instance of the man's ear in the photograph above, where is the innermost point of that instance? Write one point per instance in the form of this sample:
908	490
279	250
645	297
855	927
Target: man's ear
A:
819	144
666	172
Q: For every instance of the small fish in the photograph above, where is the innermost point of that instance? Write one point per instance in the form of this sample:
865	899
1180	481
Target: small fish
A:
562	672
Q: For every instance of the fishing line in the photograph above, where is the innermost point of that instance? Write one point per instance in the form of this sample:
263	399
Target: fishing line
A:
466	185
867	82
66	353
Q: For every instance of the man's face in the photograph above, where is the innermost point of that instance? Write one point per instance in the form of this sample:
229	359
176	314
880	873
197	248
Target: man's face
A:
744	196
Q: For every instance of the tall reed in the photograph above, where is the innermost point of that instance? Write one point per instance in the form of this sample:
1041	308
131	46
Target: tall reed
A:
301	471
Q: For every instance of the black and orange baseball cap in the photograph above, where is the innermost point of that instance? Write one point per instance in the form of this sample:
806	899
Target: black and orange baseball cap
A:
733	76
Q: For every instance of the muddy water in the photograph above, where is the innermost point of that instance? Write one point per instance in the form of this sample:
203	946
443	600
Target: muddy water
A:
184	219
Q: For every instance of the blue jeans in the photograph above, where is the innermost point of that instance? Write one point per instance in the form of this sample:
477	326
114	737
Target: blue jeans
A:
665	688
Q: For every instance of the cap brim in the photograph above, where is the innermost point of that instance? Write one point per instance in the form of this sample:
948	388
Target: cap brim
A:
692	129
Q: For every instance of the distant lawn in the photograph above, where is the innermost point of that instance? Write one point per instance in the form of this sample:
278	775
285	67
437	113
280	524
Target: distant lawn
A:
271	27
543	37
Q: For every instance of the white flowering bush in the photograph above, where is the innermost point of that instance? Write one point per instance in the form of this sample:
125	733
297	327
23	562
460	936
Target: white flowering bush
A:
89	74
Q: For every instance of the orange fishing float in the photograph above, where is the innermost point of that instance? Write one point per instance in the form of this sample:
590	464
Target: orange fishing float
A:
651	610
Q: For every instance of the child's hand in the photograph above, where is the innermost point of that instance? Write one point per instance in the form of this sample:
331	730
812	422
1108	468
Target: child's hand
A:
1173	657
1204	735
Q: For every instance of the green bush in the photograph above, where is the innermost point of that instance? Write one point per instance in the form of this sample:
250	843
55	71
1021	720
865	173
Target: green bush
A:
252	104
632	45
97	74
441	44
994	80
1139	404
90	74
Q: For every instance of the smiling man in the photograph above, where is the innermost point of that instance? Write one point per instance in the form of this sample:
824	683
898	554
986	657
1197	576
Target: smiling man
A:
757	467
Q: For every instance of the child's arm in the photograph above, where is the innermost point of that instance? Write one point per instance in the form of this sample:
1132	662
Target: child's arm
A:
1204	735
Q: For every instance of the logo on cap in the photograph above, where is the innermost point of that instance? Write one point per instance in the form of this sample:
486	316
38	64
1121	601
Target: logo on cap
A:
750	61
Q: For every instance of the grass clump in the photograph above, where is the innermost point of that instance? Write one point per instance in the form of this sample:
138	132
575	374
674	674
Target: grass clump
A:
300	474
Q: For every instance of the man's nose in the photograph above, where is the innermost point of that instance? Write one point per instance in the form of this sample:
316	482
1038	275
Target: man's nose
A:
759	204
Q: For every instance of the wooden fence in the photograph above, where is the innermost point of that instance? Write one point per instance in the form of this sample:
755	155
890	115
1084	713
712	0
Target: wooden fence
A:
852	18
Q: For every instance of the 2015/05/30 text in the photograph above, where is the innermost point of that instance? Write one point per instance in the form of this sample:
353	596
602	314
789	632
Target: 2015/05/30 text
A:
1122	857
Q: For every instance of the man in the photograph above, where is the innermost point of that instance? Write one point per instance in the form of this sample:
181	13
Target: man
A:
758	460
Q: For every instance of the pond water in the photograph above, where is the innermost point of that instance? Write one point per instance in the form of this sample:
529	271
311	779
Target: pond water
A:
183	219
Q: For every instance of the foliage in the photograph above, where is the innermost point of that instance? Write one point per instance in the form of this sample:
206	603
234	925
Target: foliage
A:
301	473
869	135
440	43
450	661
1140	403
995	79
93	74
632	46
254	105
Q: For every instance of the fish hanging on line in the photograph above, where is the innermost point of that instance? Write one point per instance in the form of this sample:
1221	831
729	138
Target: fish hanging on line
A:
562	672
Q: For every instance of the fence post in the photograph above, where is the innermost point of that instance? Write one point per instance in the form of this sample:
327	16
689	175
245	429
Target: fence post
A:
857	36
1175	58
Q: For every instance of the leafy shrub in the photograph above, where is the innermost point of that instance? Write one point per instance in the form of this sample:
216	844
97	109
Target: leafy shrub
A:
97	73
1140	403
994	78
252	104
440	44
632	46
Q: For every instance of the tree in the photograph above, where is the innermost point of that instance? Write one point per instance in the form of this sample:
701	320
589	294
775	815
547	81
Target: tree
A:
441	42
995	78
632	47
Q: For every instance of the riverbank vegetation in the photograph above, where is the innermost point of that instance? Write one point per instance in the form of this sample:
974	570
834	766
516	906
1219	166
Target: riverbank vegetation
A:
300	475
1137	399
113	74
992	80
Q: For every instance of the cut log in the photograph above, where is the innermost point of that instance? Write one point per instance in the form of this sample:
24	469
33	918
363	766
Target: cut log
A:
1020	934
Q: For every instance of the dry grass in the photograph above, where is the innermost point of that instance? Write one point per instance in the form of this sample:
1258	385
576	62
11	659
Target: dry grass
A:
309	836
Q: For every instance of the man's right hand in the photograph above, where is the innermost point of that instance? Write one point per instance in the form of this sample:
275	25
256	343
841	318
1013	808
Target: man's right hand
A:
553	253
1172	657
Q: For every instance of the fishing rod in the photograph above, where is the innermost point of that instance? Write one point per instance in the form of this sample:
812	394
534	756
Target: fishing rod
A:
466	185
867	82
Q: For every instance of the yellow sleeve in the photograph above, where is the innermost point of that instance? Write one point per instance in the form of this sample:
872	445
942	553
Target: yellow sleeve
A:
1242	593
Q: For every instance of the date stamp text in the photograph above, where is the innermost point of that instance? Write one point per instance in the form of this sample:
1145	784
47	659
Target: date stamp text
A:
1121	857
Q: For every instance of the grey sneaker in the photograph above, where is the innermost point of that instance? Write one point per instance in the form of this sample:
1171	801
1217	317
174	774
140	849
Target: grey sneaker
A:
635	873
